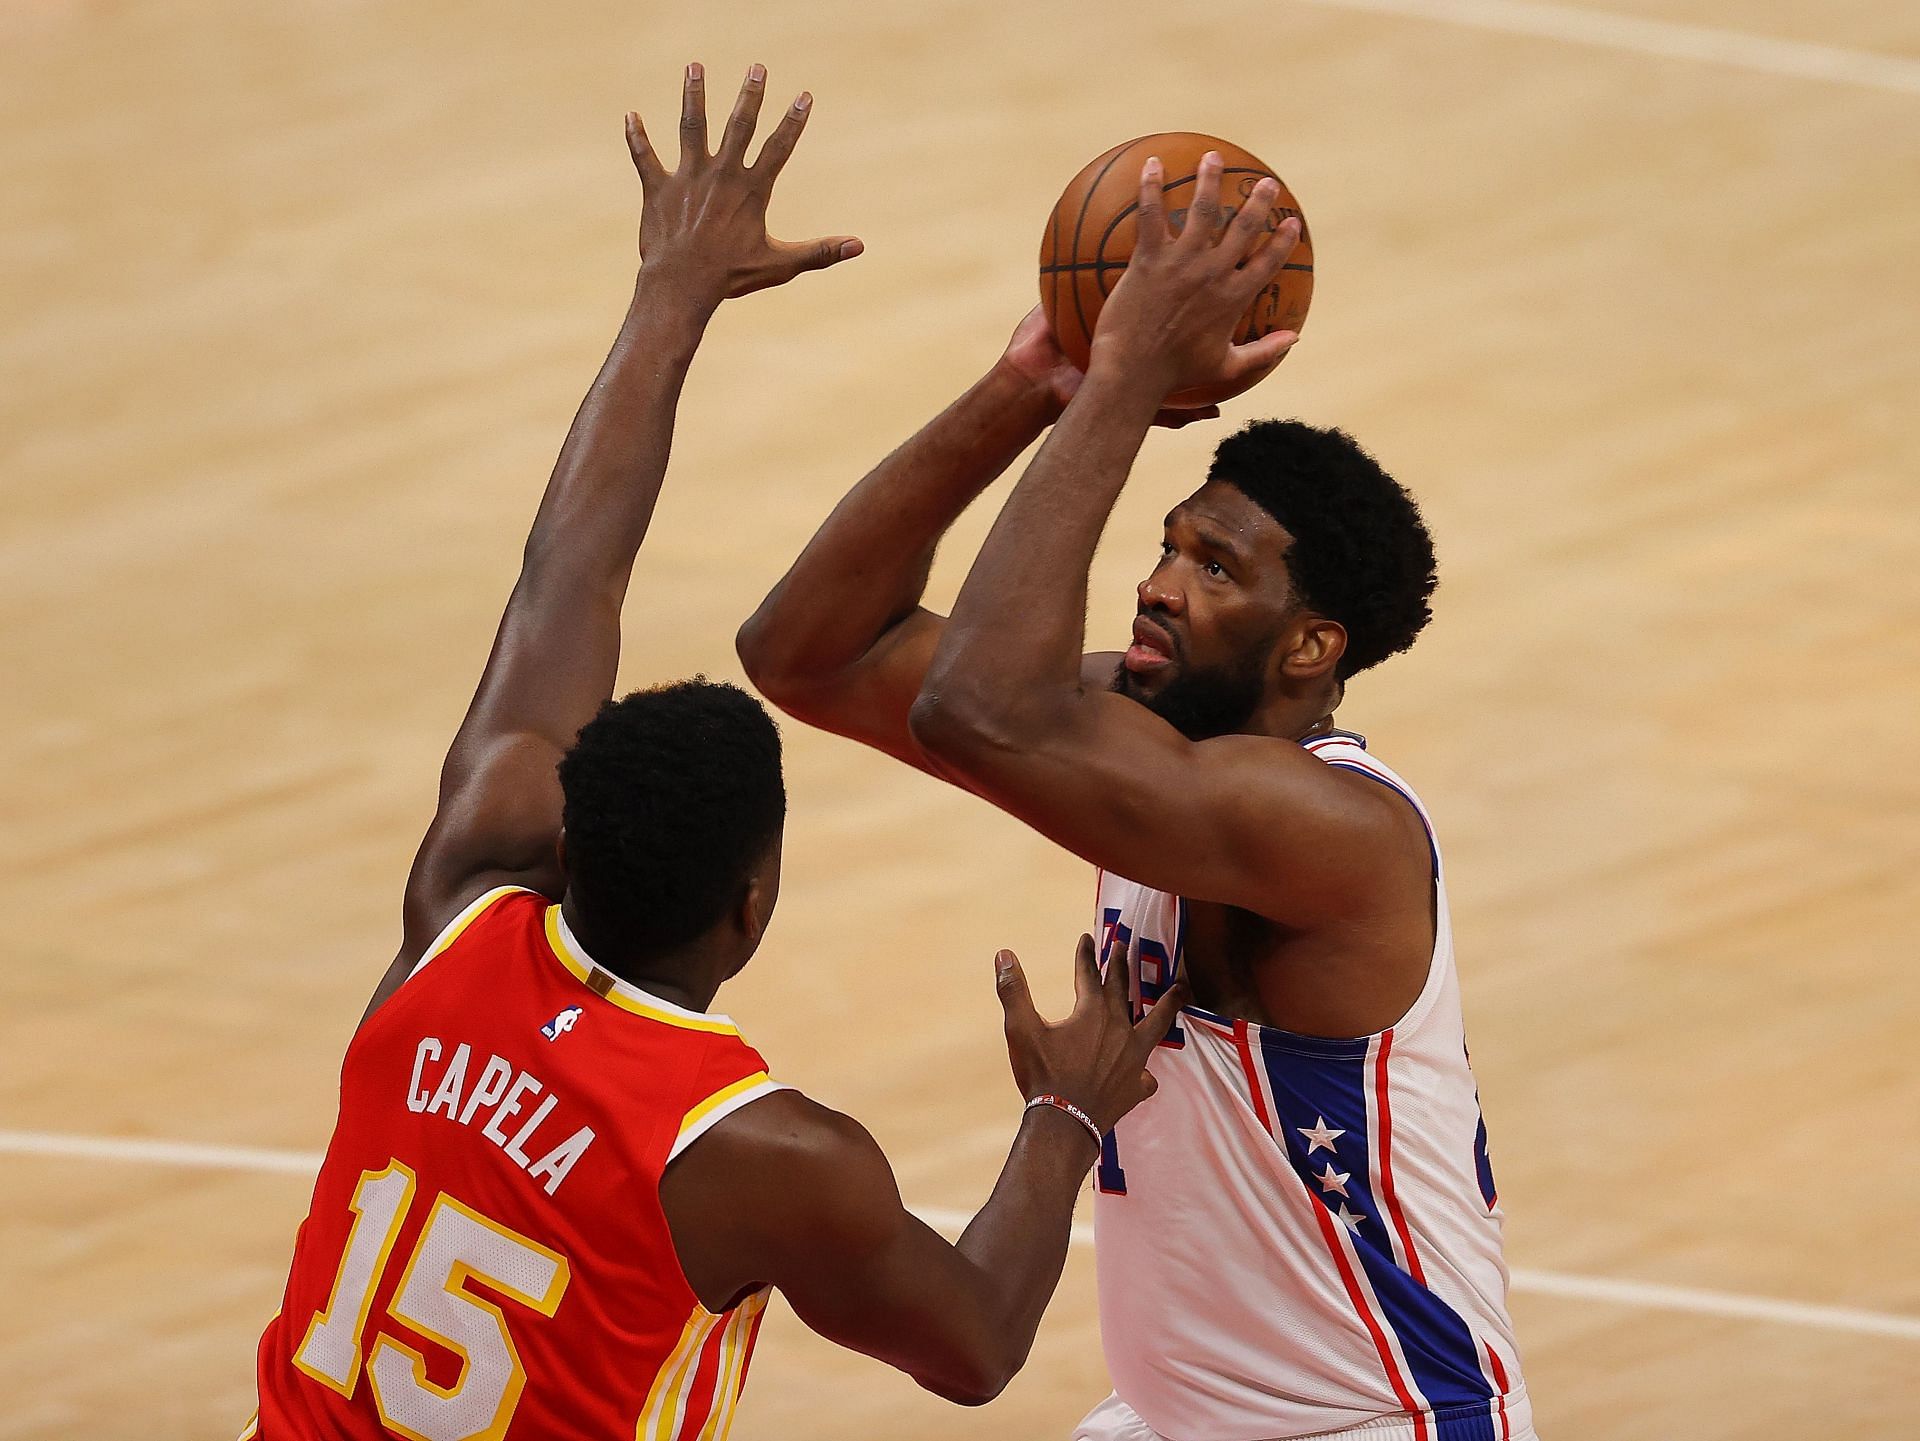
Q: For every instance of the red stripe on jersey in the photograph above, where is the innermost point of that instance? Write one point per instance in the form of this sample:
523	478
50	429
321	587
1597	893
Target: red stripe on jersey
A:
1499	1380
1365	1312
1241	1045
702	1395
1386	1158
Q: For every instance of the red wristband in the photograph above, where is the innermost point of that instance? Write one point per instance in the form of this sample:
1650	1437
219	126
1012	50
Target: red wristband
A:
1061	1103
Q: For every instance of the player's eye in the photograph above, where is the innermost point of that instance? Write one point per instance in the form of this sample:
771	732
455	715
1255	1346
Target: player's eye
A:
1216	570
1166	549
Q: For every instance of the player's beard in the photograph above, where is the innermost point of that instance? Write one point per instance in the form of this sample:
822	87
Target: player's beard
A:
1202	704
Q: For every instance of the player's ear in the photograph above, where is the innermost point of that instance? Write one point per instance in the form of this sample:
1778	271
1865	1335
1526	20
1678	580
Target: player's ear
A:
560	849
1316	648
761	895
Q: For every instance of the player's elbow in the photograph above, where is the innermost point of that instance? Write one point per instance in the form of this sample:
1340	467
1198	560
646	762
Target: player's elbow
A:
753	643
770	666
972	1381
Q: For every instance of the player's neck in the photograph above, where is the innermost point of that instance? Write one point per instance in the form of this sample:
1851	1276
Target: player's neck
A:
689	976
1295	717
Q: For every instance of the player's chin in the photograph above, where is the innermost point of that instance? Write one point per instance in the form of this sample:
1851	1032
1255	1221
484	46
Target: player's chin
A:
1142	686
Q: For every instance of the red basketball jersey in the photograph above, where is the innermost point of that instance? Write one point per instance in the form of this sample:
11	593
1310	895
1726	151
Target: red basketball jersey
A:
486	1256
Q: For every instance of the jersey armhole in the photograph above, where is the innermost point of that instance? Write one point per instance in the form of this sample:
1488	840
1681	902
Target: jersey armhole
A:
459	924
709	1113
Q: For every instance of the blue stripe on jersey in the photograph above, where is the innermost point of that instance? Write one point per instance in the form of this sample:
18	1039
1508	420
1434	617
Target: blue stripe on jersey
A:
1320	1086
1483	1164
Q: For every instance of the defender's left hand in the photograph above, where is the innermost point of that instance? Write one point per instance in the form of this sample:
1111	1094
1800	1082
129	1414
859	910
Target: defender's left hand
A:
703	226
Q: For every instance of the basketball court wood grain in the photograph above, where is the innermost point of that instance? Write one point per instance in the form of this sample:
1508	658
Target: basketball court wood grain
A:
298	301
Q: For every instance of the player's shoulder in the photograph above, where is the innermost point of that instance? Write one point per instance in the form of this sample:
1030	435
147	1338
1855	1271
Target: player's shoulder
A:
787	1136
812	1162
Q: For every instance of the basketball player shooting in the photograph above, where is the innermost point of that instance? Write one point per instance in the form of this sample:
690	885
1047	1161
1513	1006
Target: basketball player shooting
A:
560	1185
1300	1236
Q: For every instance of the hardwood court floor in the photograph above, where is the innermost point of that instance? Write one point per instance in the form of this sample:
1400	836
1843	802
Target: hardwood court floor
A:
296	301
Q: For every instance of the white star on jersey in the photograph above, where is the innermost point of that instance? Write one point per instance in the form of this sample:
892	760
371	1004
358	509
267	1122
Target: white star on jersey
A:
1348	1219
1332	1180
1320	1134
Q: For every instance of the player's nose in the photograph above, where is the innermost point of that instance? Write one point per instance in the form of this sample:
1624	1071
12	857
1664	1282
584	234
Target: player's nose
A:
1156	594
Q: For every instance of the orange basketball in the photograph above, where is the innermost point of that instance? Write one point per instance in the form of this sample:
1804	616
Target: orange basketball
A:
1090	237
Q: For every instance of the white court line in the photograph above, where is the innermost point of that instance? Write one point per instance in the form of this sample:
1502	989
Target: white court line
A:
1800	59
1643	1295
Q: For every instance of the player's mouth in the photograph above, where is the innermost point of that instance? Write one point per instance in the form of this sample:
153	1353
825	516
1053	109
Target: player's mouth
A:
1153	647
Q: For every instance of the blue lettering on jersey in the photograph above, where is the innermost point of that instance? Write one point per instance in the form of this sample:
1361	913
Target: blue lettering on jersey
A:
1157	971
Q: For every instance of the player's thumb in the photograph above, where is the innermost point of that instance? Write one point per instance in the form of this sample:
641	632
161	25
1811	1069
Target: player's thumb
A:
1010	981
819	254
1260	356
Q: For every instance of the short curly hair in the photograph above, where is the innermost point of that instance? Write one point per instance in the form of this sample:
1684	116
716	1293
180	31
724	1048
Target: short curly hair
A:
1361	554
672	796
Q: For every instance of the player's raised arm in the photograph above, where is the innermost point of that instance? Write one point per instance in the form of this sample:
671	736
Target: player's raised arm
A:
789	1193
1249	820
843	641
703	239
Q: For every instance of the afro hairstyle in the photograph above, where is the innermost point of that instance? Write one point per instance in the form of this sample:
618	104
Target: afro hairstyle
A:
673	795
1361	554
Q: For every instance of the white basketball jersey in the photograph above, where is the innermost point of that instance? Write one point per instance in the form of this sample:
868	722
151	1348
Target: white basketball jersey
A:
1298	1235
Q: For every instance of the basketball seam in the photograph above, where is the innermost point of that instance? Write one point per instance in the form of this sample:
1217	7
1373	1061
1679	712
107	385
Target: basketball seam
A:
1086	201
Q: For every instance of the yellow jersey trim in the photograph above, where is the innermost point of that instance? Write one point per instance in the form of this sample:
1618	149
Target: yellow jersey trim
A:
624	994
458	925
721	1104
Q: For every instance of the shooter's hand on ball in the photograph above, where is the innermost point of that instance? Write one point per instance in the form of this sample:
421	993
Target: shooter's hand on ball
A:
703	226
1035	356
1173	313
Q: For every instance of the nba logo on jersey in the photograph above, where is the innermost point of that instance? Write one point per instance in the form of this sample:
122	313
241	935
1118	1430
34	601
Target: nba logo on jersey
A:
561	1024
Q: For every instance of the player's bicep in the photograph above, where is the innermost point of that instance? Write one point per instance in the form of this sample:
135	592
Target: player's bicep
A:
1249	821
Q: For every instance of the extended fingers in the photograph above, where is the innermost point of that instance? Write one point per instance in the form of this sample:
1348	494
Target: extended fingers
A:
693	115
1154	1026
1250	221
1260	270
1150	224
1086	972
746	114
645	159
1015	1000
1203	216
779	147
1117	985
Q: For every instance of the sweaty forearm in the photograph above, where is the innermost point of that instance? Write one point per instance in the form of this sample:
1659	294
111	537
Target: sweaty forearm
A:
607	479
866	569
1017	629
1018	1241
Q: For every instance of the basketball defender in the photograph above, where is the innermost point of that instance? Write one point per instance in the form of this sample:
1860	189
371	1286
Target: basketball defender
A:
1300	1236
560	1185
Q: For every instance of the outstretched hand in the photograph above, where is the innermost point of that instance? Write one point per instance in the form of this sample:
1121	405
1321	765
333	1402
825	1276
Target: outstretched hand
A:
703	225
1097	1057
1175	309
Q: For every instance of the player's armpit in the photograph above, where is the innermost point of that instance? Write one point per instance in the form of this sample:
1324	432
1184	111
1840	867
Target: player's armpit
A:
496	825
1245	820
788	1193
